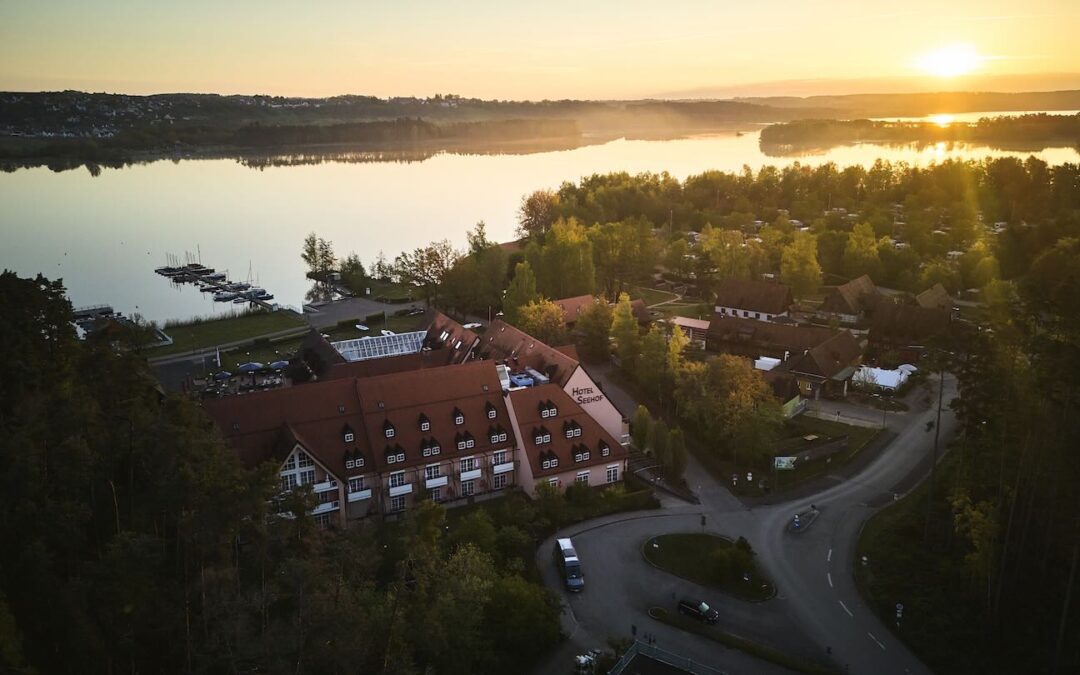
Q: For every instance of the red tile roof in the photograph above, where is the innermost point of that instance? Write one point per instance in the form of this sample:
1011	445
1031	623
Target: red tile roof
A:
444	333
572	307
755	296
502	342
854	297
766	334
527	404
935	297
832	357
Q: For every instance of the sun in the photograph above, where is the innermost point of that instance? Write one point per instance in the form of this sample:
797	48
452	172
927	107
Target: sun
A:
950	60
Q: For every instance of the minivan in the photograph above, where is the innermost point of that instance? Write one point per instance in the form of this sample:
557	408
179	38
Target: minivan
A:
566	559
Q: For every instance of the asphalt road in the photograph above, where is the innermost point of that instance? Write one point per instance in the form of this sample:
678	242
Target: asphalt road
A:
817	608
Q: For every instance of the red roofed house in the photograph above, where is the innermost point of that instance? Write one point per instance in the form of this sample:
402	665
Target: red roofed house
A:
851	302
559	443
750	299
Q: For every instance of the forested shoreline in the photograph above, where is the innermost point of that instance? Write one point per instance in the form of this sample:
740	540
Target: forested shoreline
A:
1028	131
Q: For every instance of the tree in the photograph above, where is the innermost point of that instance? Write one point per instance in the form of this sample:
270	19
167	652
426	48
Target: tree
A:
624	328
658	444
676	343
544	320
537	213
678	455
799	266
475	283
318	255
641	427
521	292
564	262
861	253
353	275
427	267
594	327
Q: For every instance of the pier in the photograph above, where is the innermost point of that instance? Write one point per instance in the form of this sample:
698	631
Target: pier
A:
209	280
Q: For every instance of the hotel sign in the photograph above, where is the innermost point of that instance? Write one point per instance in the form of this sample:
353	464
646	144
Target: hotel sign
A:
586	395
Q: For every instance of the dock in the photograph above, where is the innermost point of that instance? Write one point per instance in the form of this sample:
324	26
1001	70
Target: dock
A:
209	280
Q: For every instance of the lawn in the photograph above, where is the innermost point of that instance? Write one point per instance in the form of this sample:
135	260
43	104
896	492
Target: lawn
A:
712	561
208	334
391	292
651	296
858	437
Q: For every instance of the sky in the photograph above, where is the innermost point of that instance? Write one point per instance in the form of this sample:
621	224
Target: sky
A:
526	50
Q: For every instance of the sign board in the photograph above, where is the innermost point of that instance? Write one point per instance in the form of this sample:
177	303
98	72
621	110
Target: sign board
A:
784	463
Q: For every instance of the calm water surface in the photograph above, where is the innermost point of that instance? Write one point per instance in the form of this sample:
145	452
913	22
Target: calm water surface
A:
104	235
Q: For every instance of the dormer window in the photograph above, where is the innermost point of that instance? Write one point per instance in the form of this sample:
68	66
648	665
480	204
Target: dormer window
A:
349	437
492	412
470	442
350	464
459	417
388	429
548	409
395	455
604	449
572	429
581	453
541	436
425	423
429	447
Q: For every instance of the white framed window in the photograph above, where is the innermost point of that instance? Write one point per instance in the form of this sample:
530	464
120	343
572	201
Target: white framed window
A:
499	481
390	459
569	432
349	437
582	477
397	479
502	437
304	459
494	438
291	462
322	520
426	452
432	471
612	474
538	438
288	482
577	432
546	464
553	482
350	464
435	495
435	449
554	462
425	426
468	488
401	457
359	462
604	450
307	477
459	419
356	484
469	443
461	445
492	412
499	457
467	464
547	438
389	432
397	503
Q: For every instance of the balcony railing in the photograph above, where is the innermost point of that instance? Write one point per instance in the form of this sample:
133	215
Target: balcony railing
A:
360	495
404	489
502	468
438	481
325	486
326	507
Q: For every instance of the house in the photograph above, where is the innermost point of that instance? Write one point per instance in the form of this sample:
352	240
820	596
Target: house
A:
906	329
695	329
935	297
826	369
753	339
527	359
751	299
375	445
573	307
560	444
850	303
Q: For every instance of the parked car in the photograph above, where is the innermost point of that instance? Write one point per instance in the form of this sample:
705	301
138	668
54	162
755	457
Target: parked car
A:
473	325
388	332
566	560
416	311
698	609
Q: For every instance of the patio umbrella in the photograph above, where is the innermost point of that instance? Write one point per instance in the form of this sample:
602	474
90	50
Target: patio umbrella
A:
250	367
279	365
223	375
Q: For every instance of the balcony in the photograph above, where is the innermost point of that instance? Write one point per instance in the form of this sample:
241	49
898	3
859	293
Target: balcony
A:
400	490
439	481
360	495
325	486
326	507
470	475
502	468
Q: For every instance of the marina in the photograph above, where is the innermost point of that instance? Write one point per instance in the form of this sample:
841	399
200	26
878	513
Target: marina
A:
210	280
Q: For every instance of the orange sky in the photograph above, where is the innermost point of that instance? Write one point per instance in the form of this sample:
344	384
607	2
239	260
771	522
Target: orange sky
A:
559	49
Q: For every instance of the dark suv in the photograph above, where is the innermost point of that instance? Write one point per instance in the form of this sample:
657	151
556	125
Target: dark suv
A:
699	610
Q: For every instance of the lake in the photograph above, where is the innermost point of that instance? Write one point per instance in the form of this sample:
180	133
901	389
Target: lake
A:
105	234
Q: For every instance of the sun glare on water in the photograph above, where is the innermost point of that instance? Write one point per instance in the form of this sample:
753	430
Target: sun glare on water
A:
943	120
950	60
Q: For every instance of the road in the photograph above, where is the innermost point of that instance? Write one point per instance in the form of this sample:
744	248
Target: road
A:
817	608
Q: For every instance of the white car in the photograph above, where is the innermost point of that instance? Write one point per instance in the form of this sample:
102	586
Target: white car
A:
470	326
362	327
388	332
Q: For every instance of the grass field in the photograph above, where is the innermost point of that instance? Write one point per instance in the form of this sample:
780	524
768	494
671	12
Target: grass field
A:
709	560
651	296
209	334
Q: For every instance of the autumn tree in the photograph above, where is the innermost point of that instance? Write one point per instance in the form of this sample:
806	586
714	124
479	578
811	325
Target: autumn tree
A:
544	320
538	212
861	253
624	329
564	262
799	266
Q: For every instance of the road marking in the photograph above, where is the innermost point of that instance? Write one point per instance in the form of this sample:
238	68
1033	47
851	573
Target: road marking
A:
846	609
828	558
876	640
829	575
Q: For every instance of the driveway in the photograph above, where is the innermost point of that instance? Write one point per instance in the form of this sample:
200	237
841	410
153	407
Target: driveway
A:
817	607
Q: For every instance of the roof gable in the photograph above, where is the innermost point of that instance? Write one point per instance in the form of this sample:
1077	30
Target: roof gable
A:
753	295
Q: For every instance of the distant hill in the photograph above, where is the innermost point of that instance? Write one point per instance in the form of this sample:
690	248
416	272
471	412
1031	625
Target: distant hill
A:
913	105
